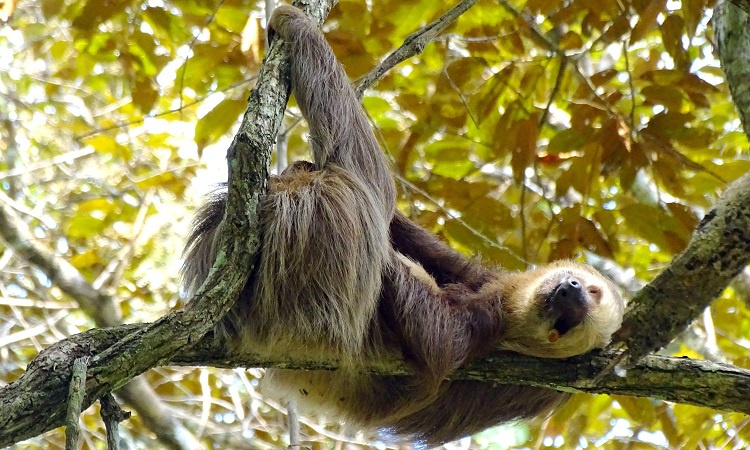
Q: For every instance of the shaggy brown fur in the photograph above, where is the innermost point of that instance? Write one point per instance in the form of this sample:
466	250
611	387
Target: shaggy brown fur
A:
342	273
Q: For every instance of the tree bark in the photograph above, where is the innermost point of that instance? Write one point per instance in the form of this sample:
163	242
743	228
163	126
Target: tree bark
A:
683	380
720	248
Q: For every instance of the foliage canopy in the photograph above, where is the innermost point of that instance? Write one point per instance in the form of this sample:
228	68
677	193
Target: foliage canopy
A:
529	131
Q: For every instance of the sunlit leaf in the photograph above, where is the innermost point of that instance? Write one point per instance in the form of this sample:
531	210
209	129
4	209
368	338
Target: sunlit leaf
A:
51	8
218	121
646	18
145	93
571	41
95	12
83	260
85	226
640	409
672	30
569	140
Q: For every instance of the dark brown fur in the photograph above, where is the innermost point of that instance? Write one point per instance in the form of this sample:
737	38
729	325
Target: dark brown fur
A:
341	273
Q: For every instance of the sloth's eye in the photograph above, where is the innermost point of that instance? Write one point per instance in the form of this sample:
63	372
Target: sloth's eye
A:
595	292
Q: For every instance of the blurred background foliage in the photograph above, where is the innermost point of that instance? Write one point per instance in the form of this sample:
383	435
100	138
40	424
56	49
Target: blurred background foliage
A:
596	130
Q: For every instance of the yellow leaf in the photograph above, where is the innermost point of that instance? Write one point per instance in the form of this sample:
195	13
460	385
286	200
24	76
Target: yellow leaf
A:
98	204
107	145
83	260
84	226
663	95
571	41
647	19
639	409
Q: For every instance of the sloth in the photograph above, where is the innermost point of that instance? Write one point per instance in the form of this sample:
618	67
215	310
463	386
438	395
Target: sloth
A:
342	274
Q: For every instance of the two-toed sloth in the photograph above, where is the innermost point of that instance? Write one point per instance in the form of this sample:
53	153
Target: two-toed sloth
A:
341	273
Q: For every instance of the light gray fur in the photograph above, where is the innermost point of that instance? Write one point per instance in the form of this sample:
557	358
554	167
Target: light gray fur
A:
324	232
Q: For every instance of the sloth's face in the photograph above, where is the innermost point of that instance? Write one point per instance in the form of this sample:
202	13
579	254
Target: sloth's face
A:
565	297
569	309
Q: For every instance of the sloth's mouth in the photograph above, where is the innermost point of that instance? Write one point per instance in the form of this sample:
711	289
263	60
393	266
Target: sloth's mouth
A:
567	305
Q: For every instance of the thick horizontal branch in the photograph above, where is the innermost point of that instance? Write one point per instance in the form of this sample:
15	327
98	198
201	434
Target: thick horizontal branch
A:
682	380
36	402
732	31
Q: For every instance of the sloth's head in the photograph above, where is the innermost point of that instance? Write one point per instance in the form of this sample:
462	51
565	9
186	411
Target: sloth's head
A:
567	309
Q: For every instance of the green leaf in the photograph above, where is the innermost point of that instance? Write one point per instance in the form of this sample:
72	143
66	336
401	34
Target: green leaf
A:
217	122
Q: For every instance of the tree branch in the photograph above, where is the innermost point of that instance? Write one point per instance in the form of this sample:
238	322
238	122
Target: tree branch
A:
683	380
718	248
717	252
744	5
75	399
15	232
102	309
413	45
249	157
732	28
721	244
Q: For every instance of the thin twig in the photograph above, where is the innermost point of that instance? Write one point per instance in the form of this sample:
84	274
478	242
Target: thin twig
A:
461	97
292	418
269	6
555	90
178	109
451	216
413	45
76	394
112	415
282	141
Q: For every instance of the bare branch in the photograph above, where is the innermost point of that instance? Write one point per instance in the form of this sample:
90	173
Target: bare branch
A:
75	400
102	308
292	420
112	415
15	232
413	45
719	250
732	28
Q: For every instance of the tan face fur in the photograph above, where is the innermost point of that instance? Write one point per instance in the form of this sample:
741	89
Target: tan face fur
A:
561	310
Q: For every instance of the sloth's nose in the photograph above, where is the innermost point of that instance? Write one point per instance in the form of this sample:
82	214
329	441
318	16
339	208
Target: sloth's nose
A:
570	290
569	302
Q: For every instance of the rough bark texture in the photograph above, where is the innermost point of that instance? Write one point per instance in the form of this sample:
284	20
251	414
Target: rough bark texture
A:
741	4
683	380
718	251
732	29
720	248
